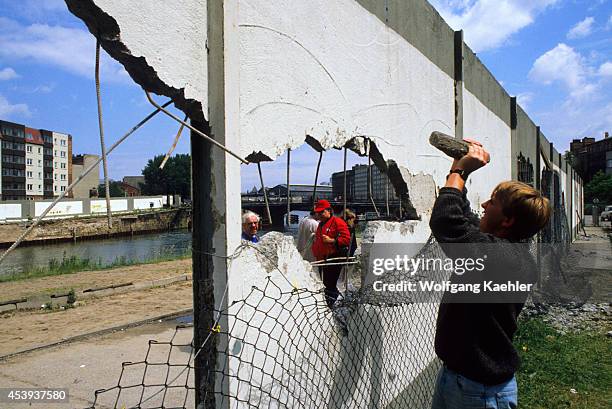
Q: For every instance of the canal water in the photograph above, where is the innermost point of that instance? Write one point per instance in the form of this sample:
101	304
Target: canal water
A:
139	248
144	247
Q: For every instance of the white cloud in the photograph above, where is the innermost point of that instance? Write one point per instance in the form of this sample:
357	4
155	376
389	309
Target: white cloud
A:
70	49
581	29
586	108
563	64
605	69
489	23
7	110
524	99
8	74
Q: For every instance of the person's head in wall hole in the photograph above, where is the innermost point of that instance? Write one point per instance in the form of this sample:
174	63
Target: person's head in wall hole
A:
250	226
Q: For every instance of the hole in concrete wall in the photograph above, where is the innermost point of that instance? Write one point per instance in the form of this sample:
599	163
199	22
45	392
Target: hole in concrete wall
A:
380	183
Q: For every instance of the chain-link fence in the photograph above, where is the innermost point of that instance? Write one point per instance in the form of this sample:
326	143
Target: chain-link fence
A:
284	347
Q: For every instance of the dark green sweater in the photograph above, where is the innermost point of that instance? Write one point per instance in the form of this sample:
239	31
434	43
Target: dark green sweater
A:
475	339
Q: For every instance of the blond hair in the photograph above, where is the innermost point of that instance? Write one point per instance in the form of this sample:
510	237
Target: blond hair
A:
349	217
530	210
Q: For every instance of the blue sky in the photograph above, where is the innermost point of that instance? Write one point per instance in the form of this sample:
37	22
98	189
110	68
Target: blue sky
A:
555	55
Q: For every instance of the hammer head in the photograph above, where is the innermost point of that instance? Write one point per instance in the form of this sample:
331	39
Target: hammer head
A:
453	147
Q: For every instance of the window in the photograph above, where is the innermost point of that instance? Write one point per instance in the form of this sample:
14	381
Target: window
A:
55	141
63	165
63	188
55	152
29	148
38	187
55	188
39	175
39	162
62	177
55	176
55	164
29	161
63	142
62	154
29	187
29	174
39	149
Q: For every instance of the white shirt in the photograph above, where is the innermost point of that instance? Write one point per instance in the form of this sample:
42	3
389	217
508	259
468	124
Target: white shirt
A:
306	231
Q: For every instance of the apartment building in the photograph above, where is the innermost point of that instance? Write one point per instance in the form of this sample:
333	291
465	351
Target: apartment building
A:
62	158
35	163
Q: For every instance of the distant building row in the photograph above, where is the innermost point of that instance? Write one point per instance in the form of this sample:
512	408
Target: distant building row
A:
591	156
357	185
38	164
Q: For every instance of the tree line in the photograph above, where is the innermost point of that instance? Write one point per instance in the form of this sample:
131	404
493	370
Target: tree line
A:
174	178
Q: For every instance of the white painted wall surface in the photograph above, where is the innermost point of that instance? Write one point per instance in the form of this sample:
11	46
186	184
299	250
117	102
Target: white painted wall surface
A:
171	36
145	203
117	205
10	211
335	76
481	124
63	208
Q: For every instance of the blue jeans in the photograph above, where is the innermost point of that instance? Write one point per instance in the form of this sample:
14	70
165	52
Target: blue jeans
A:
454	391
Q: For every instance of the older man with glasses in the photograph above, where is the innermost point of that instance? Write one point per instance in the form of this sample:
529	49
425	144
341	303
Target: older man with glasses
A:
250	225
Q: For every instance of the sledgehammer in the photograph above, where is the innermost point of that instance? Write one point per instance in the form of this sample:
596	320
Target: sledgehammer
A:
453	147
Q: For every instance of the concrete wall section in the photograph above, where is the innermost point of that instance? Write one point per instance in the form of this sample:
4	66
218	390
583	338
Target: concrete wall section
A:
137	33
147	203
419	24
10	211
63	208
117	205
312	76
480	82
524	141
482	124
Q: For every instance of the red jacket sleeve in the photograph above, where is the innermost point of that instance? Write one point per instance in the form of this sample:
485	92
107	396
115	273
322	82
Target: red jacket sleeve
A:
344	235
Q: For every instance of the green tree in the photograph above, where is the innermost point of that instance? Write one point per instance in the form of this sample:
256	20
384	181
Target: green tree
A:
174	178
599	187
116	189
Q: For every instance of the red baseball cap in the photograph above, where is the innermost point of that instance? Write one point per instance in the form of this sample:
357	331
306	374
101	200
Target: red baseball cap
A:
322	205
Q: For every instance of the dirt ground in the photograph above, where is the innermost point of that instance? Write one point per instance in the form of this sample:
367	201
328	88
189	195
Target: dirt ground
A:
28	329
87	279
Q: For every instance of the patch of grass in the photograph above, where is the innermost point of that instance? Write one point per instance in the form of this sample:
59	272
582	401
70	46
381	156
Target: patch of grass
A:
73	264
555	366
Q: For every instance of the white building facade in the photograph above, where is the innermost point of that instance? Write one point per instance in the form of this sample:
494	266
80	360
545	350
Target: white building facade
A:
61	162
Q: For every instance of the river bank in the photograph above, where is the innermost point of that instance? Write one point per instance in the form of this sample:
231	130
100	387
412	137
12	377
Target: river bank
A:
84	228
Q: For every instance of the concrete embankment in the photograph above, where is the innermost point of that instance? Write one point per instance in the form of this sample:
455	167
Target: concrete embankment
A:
80	228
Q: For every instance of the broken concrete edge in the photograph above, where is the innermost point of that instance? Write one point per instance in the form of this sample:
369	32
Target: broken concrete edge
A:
106	29
37	301
81	337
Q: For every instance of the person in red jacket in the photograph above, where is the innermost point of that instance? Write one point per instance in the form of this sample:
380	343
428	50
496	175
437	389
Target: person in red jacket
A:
332	239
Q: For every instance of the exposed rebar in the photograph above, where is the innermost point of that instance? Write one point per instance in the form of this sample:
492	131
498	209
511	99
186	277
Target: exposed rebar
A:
73	184
265	193
173	147
197	131
288	188
314	189
102	144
